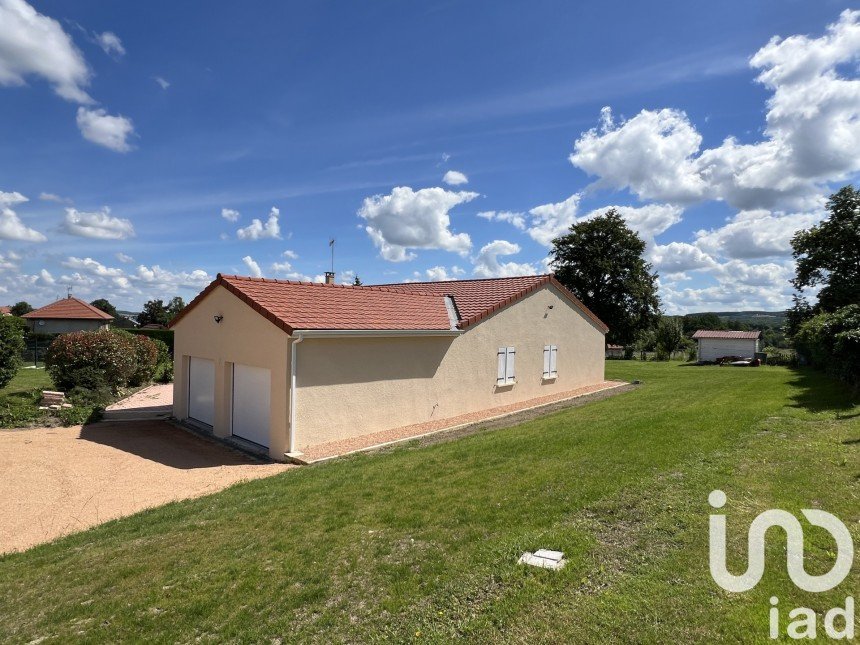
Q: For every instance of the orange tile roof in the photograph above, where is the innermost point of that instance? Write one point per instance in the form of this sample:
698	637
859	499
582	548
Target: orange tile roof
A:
477	299
411	306
70	309
5	310
747	335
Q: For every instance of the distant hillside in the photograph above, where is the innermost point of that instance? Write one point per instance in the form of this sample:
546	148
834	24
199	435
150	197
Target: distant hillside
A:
772	318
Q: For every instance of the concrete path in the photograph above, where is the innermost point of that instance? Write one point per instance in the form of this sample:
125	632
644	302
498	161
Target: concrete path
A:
152	402
61	480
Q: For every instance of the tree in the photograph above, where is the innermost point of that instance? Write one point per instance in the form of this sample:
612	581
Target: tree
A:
104	305
20	308
600	261
828	254
669	336
175	305
11	347
154	313
694	322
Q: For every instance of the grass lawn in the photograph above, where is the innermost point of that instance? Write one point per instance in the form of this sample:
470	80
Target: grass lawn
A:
19	400
421	543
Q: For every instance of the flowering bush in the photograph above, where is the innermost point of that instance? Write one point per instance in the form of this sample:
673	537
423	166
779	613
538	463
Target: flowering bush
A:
98	359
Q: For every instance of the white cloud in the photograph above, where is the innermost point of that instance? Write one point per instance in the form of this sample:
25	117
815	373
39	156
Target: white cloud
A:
253	267
51	197
407	219
551	220
811	138
441	274
517	220
292	255
162	82
11	226
92	266
256	230
230	215
10	261
32	44
125	259
45	278
488	265
111	44
455	178
677	257
104	129
755	234
648	221
99	225
165	281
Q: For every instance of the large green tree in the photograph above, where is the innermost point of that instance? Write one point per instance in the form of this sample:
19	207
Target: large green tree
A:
20	308
601	260
104	305
828	254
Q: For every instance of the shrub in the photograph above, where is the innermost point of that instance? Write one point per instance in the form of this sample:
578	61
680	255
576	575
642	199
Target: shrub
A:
11	347
101	358
831	341
692	353
146	358
164	335
166	375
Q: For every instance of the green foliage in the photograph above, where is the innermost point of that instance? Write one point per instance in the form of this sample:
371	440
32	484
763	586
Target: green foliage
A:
710	321
155	312
20	308
163	335
11	348
92	359
668	336
828	254
104	305
146	354
601	261
831	341
166	374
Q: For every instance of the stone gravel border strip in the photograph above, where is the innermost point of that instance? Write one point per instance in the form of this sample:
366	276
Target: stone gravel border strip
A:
495	422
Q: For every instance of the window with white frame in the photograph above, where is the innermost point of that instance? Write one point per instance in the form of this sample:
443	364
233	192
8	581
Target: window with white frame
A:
506	374
550	353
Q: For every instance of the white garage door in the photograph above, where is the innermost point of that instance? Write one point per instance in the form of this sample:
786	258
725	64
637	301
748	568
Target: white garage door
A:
201	390
251	399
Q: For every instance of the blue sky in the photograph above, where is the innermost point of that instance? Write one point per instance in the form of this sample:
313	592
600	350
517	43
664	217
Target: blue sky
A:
140	141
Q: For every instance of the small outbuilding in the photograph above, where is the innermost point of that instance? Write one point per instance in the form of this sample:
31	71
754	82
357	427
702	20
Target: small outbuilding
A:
292	365
615	351
714	345
66	315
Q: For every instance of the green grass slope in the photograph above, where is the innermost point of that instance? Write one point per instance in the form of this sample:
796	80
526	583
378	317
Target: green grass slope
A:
421	544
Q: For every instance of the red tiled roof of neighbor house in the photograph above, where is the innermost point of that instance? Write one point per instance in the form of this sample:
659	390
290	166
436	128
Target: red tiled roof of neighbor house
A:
615	347
705	333
5	310
477	299
69	309
412	306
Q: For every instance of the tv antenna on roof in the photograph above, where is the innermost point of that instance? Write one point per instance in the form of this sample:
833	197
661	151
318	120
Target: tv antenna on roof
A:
331	244
68	291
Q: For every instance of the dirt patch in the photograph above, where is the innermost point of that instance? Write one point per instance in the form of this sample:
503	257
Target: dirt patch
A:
61	480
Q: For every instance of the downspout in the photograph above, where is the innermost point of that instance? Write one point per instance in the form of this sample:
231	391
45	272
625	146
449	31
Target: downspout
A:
292	443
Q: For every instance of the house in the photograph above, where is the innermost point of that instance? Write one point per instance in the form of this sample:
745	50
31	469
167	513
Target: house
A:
290	365
68	314
615	351
718	344
5	310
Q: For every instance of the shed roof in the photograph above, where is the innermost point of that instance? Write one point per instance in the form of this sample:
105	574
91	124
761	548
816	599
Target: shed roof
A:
409	307
745	335
70	308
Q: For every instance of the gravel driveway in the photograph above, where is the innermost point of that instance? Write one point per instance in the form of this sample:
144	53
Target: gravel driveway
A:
61	480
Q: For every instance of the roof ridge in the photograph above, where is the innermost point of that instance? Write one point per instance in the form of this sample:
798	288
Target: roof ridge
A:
512	277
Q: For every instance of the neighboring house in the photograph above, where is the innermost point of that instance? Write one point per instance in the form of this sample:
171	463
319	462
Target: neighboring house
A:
289	365
68	314
5	310
718	344
615	351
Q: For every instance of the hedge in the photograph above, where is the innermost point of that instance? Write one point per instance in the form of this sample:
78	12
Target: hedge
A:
831	341
11	347
164	335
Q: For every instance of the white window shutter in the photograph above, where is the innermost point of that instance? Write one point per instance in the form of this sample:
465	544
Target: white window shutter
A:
500	378
547	350
510	373
553	355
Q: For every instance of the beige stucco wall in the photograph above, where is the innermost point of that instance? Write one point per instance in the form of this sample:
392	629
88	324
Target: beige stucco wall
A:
61	326
243	336
354	386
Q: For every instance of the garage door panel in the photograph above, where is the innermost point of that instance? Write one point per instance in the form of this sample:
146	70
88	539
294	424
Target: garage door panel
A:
201	390
251	403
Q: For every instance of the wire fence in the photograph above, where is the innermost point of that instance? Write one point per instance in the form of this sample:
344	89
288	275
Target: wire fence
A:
34	351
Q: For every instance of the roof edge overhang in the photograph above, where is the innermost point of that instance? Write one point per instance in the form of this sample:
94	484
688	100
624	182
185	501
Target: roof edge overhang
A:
378	333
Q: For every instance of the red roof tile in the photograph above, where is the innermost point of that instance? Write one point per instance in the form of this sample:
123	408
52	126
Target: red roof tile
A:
409	306
5	310
748	335
305	305
477	299
70	309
